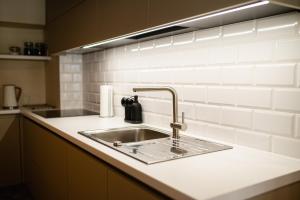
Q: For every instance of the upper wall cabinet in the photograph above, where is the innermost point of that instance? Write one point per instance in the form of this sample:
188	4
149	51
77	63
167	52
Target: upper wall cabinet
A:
95	20
56	8
119	17
161	12
76	27
89	21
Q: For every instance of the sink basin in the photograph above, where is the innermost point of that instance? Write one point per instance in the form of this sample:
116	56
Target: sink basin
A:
126	135
150	145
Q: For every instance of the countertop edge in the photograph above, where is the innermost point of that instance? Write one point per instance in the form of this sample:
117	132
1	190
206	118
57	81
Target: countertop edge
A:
148	180
243	193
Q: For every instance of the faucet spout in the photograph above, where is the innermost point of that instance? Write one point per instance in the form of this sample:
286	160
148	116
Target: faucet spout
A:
176	126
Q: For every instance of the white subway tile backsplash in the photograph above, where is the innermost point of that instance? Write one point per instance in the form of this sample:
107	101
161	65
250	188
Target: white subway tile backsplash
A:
66	77
298	75
196	128
237	83
156	106
108	76
208	113
146	45
131	49
297	125
77	77
241	75
157	76
253	97
131	76
76	58
287	49
253	139
188	109
220	133
279	25
75	68
224	54
256	51
209	75
287	99
278	74
239	30
182	39
221	95
193	93
208	34
273	122
76	87
65	59
237	117
286	146
71	81
163	42
67	68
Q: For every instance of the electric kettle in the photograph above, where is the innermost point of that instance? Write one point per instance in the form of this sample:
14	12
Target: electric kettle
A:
11	96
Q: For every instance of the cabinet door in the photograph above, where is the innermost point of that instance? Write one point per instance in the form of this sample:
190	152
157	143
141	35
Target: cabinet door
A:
56	8
10	166
47	155
76	27
161	12
121	186
119	17
87	176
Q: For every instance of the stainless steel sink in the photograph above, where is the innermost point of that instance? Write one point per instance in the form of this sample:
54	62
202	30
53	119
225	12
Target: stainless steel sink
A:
126	135
151	145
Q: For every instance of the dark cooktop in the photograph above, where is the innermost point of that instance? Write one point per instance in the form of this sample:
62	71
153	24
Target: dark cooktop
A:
64	113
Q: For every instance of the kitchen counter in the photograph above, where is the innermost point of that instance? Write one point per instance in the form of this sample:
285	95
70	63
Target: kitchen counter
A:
8	112
238	173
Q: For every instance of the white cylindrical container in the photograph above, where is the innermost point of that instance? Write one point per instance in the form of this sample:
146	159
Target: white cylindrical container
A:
106	101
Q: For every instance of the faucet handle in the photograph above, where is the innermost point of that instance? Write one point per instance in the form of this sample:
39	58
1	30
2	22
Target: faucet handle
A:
183	125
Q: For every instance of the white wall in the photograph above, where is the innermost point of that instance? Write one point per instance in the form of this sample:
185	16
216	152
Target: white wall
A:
238	83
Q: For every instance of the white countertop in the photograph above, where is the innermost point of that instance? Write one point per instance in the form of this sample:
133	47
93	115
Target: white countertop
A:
8	112
238	173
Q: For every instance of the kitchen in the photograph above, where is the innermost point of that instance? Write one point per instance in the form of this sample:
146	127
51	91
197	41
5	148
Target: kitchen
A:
148	99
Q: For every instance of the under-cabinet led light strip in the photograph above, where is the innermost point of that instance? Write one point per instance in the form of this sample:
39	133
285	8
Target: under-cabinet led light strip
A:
260	3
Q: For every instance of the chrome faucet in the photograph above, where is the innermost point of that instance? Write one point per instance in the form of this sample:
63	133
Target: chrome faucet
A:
175	125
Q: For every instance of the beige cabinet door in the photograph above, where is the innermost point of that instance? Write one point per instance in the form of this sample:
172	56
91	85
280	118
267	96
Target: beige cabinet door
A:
10	165
87	176
121	186
78	26
161	12
119	17
45	162
56	8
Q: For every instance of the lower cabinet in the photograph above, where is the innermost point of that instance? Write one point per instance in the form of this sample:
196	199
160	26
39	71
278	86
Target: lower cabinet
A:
121	186
45	163
87	176
10	163
57	169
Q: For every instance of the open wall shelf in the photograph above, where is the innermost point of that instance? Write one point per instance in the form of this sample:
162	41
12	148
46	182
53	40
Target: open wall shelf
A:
23	57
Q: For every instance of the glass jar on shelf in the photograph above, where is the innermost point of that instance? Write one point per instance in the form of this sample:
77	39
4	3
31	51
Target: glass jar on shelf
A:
28	48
